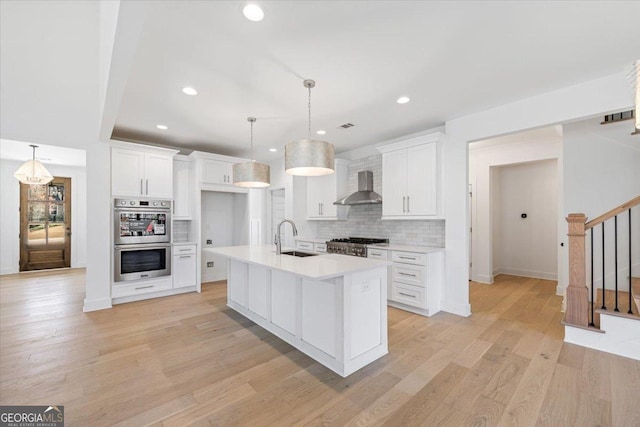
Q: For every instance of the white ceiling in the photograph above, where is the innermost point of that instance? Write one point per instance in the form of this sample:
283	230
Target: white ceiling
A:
451	58
47	154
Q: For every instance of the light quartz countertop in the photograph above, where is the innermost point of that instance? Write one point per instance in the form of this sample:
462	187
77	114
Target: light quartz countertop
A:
406	248
318	267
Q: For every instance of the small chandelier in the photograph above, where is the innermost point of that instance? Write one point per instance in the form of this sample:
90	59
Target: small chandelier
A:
33	172
251	173
309	157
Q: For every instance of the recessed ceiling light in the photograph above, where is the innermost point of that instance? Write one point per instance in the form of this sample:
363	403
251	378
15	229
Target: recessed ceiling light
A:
189	91
403	100
253	12
273	150
162	127
321	132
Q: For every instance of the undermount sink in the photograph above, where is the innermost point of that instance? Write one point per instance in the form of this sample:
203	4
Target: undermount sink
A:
298	253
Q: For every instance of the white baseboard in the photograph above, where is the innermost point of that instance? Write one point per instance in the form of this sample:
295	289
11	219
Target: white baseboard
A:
480	278
528	273
5	271
94	305
621	336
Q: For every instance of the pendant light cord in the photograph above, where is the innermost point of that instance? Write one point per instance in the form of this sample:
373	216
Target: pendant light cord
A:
252	141
309	128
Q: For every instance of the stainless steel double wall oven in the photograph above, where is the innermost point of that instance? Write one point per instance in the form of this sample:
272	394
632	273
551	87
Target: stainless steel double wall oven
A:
142	239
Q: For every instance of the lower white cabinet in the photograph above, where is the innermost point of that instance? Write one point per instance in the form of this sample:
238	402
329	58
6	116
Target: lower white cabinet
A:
304	246
415	279
340	322
184	266
141	287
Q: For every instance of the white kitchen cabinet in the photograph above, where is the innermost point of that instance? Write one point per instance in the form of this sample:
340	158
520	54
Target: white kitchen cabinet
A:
182	189
141	172
237	282
411	178
184	266
283	301
259	295
302	245
216	172
322	191
416	281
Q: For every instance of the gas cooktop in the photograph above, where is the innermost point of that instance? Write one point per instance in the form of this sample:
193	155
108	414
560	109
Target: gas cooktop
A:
356	246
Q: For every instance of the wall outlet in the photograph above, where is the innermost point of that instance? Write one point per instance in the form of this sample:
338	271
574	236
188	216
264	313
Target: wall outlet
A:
209	264
209	242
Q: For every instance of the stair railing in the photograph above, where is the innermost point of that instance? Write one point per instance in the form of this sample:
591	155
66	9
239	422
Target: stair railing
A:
580	299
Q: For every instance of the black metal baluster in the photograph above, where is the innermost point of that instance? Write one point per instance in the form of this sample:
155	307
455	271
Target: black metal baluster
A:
593	303
615	252
604	307
630	311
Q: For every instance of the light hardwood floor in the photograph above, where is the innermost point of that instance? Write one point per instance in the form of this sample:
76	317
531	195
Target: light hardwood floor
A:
189	359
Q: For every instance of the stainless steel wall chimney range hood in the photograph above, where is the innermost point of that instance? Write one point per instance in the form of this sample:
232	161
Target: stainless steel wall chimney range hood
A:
365	194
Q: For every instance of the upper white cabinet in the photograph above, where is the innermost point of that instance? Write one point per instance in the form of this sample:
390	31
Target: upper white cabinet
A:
216	172
141	171
411	179
182	188
322	191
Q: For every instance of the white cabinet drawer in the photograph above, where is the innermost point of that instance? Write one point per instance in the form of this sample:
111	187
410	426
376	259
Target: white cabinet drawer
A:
320	247
377	253
305	246
405	273
141	287
409	258
408	294
184	250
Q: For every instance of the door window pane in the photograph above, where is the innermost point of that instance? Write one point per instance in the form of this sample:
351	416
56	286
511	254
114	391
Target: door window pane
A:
36	236
37	212
37	192
56	212
56	192
56	233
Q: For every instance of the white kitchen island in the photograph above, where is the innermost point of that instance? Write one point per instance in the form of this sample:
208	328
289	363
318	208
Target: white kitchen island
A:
331	307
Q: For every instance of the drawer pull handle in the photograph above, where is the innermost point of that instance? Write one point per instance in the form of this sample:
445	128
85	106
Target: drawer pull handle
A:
406	274
185	256
184	250
407	257
407	295
143	287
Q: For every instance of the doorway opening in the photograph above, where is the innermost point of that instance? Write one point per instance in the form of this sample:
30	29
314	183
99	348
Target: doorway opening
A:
278	214
45	225
516	204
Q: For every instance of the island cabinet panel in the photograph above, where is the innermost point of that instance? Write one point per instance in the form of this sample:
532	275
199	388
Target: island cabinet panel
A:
237	282
258	292
319	315
365	328
331	307
283	301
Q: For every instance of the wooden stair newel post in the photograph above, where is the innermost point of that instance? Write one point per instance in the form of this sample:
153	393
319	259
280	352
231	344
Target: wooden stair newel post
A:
577	312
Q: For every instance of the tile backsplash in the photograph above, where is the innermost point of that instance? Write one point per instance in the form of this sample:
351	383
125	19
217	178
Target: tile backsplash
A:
365	220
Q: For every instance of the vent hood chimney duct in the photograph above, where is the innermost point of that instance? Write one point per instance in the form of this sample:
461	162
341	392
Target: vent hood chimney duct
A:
365	194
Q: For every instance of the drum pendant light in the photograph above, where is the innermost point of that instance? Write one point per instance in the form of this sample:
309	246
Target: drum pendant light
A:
33	172
251	173
309	157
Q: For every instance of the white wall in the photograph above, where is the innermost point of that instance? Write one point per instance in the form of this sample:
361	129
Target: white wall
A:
10	216
527	246
600	174
604	95
484	160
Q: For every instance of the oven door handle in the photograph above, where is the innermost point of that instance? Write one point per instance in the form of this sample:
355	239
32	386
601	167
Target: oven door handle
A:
141	246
